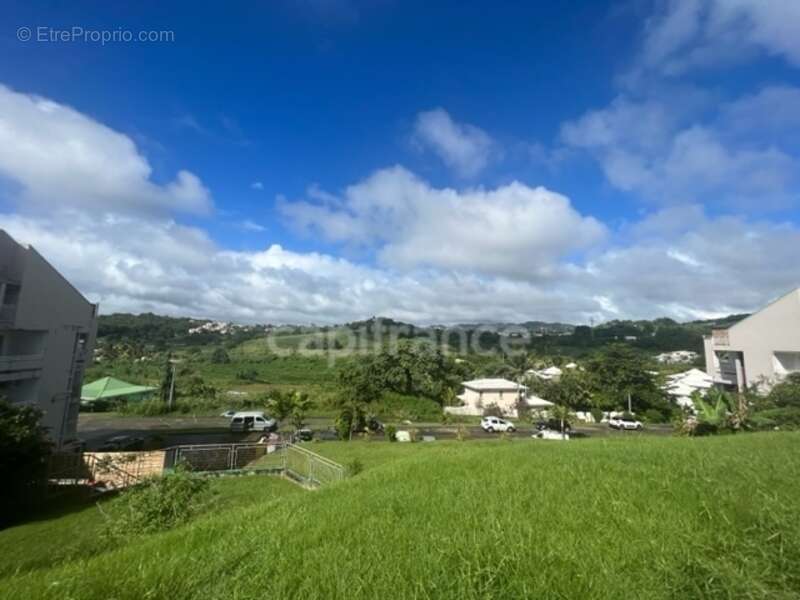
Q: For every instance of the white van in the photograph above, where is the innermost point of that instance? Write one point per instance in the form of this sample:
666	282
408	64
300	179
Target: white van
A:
252	421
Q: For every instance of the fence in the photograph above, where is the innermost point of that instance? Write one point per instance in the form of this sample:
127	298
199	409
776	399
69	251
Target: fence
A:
211	458
299	464
116	470
112	469
311	468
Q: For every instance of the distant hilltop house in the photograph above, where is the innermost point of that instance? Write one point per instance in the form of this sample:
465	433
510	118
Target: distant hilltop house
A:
677	357
480	394
224	328
759	350
550	373
47	332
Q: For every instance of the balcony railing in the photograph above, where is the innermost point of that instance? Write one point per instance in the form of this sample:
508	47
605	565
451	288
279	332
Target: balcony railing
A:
8	312
720	337
21	362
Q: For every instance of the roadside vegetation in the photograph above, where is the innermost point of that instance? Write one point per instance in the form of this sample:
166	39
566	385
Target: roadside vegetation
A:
631	517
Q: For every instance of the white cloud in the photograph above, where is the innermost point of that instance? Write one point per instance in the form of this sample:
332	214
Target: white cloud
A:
463	147
513	230
511	253
60	157
257	185
665	151
250	225
691	34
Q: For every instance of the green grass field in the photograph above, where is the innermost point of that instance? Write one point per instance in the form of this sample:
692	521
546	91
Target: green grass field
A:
641	517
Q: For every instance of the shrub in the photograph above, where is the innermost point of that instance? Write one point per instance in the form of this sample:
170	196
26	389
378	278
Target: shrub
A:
401	406
157	504
354	467
220	356
652	415
146	408
492	410
391	433
787	417
24	449
597	415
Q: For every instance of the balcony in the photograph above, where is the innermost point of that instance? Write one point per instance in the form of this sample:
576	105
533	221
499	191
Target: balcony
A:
719	337
21	362
8	312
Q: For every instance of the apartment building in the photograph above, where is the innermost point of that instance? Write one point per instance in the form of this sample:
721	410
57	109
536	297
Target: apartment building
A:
47	331
758	351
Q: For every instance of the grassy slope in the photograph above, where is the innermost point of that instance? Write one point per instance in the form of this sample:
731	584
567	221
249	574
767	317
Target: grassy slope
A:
640	517
72	531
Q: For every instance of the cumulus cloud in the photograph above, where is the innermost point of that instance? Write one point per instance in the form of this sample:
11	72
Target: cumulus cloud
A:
464	148
511	253
691	34
60	157
257	185
513	230
668	152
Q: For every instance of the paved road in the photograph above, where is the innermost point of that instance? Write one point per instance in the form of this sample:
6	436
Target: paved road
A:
96	428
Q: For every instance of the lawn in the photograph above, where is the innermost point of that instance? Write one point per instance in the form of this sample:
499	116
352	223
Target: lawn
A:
638	517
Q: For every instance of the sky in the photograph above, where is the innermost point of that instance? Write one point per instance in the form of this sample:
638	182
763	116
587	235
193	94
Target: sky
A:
322	161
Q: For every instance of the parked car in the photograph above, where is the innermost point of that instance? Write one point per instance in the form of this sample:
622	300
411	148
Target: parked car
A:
373	425
553	425
228	414
252	421
491	424
625	423
550	434
120	443
303	435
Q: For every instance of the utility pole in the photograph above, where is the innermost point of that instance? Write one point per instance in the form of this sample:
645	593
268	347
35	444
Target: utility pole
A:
171	385
630	411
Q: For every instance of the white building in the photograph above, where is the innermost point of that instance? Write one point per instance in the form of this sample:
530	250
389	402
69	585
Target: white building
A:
759	350
550	373
677	357
480	394
681	386
47	331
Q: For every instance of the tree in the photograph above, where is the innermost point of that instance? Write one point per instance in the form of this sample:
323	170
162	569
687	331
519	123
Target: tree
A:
563	414
301	404
619	373
786	393
572	389
220	356
279	404
24	448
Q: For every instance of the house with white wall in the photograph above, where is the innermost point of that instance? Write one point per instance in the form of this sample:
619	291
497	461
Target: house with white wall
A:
47	332
758	351
480	394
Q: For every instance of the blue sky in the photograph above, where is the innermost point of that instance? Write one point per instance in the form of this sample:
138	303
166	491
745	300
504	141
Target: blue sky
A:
327	160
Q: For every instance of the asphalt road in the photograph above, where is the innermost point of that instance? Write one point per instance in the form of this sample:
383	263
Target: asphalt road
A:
160	432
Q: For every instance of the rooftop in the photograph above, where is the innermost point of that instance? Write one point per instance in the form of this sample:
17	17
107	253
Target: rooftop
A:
493	384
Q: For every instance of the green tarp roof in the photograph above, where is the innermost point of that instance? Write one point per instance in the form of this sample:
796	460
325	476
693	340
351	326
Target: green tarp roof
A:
109	387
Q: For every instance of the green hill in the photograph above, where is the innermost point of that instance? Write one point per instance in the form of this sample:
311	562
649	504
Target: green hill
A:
639	517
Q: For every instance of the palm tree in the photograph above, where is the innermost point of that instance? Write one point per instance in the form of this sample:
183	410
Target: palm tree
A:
562	413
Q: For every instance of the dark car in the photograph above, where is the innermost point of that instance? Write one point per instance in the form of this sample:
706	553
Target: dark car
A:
303	435
553	425
373	425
